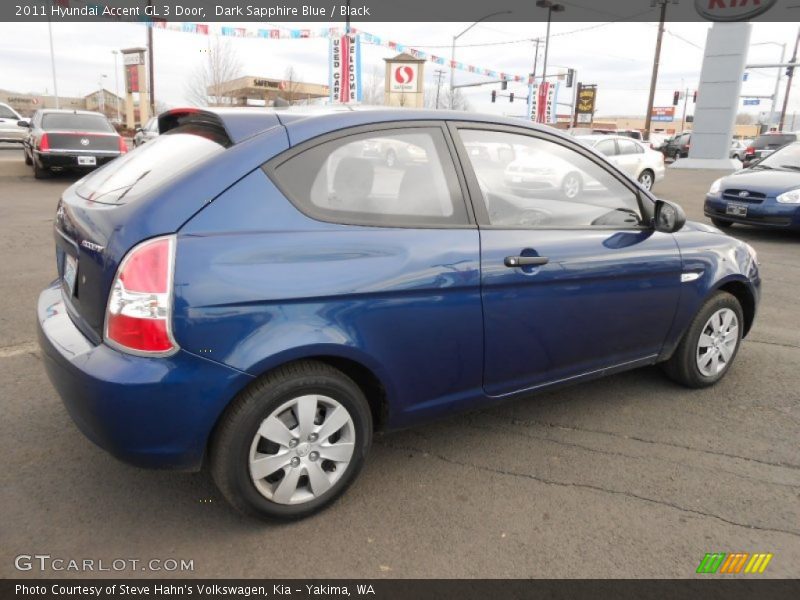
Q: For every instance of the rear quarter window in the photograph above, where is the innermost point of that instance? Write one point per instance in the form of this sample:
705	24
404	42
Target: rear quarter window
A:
390	178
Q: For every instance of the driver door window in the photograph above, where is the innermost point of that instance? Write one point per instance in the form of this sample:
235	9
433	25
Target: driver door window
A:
532	182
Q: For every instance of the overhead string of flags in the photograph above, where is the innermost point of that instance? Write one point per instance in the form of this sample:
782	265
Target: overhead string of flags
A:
331	32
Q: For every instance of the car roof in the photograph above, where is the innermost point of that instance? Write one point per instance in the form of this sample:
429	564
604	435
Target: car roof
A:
65	111
242	123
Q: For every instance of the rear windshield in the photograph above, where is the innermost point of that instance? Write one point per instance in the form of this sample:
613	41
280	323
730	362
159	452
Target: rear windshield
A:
134	174
772	140
76	122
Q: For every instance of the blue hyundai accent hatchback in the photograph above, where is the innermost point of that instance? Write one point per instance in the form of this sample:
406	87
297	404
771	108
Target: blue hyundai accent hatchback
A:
261	291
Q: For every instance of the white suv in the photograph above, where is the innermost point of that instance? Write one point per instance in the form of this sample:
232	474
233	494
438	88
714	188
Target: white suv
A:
10	131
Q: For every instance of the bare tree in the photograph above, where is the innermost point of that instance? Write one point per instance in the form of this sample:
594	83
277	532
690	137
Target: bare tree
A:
459	102
292	83
221	64
372	89
745	119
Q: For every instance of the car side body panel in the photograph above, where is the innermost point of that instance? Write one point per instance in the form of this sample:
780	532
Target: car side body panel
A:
258	284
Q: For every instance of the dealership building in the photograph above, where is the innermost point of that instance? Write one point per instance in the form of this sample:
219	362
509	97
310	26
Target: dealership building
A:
100	101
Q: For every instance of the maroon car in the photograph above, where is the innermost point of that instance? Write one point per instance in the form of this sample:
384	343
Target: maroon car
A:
70	139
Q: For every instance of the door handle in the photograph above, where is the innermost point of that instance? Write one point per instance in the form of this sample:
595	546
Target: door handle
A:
525	261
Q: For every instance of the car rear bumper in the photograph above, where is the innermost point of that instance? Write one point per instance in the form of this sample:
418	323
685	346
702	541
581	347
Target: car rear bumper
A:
151	412
768	213
69	160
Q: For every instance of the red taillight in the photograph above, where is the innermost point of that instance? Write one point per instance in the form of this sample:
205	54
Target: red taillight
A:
139	313
123	147
750	150
44	143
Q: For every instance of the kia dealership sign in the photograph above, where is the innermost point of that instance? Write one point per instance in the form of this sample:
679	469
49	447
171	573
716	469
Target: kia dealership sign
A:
732	10
404	77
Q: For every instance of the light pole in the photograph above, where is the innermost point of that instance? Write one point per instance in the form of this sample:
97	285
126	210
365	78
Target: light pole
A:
453	49
551	8
116	84
52	59
774	105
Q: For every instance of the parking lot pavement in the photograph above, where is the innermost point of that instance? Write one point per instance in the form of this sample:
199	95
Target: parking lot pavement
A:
630	476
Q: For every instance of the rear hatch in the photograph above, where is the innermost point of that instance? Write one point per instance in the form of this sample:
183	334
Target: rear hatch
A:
80	131
104	214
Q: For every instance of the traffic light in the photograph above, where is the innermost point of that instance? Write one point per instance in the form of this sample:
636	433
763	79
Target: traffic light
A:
570	77
694	97
675	97
511	97
504	85
494	95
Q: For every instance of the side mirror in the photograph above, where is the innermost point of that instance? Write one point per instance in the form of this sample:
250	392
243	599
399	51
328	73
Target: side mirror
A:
23	123
139	130
669	217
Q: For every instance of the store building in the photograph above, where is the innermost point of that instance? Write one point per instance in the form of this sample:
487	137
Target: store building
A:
263	91
26	104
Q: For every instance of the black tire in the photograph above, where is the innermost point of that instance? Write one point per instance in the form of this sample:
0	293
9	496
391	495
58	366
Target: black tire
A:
719	223
41	172
682	365
28	160
232	439
567	190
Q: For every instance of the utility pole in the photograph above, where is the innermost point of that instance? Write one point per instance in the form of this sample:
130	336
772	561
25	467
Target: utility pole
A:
150	65
535	60
654	77
52	59
789	84
685	100
439	78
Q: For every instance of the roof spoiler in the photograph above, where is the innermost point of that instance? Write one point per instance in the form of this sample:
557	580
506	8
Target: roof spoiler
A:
227	125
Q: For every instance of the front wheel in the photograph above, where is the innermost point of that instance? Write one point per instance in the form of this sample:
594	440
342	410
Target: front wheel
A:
292	443
709	347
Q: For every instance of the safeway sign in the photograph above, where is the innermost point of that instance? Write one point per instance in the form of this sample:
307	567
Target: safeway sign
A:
404	78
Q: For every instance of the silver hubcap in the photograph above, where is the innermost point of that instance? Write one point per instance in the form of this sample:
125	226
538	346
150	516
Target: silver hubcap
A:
646	180
302	449
717	342
571	187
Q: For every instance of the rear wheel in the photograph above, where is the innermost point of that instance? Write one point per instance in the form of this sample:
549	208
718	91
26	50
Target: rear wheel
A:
709	347
571	186
41	172
292	443
646	179
722	224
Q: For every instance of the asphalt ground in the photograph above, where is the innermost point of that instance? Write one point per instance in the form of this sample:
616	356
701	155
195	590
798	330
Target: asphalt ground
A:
630	476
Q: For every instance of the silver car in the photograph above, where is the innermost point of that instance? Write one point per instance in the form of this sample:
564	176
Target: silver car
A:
147	133
10	130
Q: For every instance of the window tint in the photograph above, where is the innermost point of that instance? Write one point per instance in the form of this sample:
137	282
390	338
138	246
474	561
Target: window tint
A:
76	122
547	185
6	113
607	147
391	178
629	147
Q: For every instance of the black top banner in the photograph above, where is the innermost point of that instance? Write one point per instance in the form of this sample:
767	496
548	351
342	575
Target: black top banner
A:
338	11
